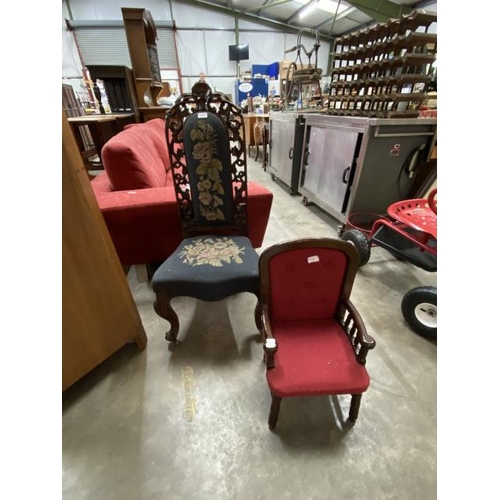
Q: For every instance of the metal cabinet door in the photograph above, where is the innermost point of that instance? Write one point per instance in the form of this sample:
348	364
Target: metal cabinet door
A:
328	161
280	157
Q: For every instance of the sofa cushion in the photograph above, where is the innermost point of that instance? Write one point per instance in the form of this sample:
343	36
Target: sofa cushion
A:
137	157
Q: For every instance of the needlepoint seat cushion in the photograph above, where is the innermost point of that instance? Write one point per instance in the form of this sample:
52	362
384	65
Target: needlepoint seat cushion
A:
210	268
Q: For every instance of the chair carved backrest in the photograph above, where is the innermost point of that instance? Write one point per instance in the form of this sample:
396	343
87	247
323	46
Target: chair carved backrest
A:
206	144
307	279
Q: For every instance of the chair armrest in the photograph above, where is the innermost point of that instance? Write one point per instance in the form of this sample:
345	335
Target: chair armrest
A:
270	343
356	331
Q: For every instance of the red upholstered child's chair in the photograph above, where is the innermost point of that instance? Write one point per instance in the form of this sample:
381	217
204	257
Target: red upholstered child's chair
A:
315	342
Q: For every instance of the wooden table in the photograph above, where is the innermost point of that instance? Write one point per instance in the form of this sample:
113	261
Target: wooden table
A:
102	128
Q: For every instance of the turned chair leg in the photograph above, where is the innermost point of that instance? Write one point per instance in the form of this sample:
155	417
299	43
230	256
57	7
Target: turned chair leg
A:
273	414
164	309
354	410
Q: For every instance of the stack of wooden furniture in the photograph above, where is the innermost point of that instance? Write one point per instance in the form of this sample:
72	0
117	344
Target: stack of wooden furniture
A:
92	131
74	108
384	71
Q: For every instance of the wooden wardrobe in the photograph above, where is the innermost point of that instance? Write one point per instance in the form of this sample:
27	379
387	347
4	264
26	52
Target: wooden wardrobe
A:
99	315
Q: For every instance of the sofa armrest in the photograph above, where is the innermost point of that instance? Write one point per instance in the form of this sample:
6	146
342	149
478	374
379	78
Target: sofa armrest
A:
144	224
112	200
260	200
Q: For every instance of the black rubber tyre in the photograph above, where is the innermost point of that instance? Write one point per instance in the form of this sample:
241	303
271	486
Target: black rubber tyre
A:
419	308
360	242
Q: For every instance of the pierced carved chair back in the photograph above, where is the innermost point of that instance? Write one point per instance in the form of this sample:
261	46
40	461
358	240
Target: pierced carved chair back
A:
206	144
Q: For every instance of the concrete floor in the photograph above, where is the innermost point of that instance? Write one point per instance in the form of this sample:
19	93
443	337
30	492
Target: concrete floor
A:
190	421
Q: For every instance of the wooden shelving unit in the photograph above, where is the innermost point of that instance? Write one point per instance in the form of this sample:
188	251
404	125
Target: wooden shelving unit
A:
384	71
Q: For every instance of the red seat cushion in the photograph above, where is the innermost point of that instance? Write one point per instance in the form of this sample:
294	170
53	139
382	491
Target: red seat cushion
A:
314	358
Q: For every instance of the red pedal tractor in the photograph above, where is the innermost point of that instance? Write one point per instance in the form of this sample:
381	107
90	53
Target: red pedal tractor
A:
410	234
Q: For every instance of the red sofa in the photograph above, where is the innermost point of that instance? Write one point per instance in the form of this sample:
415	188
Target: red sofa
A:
136	196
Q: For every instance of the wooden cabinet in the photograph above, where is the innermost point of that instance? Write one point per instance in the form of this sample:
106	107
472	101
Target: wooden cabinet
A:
99	314
141	34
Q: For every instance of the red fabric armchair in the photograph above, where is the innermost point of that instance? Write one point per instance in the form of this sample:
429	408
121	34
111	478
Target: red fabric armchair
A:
315	342
136	196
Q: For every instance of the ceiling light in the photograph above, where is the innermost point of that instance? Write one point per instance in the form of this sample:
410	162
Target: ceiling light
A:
308	9
324	5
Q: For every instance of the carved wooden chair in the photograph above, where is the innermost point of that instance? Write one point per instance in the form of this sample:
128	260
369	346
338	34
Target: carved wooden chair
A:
315	342
206	145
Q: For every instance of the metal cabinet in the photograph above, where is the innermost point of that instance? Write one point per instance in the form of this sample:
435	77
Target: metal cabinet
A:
354	164
286	133
330	159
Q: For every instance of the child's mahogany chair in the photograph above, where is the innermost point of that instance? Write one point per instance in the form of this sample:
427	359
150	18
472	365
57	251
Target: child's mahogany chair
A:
315	342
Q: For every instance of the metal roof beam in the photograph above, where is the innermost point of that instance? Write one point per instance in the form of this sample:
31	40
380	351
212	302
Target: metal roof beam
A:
299	11
266	5
251	17
346	13
381	10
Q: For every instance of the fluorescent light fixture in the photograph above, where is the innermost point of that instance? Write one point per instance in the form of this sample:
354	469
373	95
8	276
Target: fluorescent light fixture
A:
308	9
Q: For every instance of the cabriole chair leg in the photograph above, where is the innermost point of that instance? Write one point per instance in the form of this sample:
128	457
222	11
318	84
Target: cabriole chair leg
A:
164	309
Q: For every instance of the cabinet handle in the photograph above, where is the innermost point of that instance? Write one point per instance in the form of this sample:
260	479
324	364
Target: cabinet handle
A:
306	157
290	154
345	175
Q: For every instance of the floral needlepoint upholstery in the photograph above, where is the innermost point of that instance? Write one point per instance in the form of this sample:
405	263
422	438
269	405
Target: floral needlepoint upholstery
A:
210	268
206	152
209	182
212	252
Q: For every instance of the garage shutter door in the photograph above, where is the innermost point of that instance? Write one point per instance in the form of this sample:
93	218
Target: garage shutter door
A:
106	43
